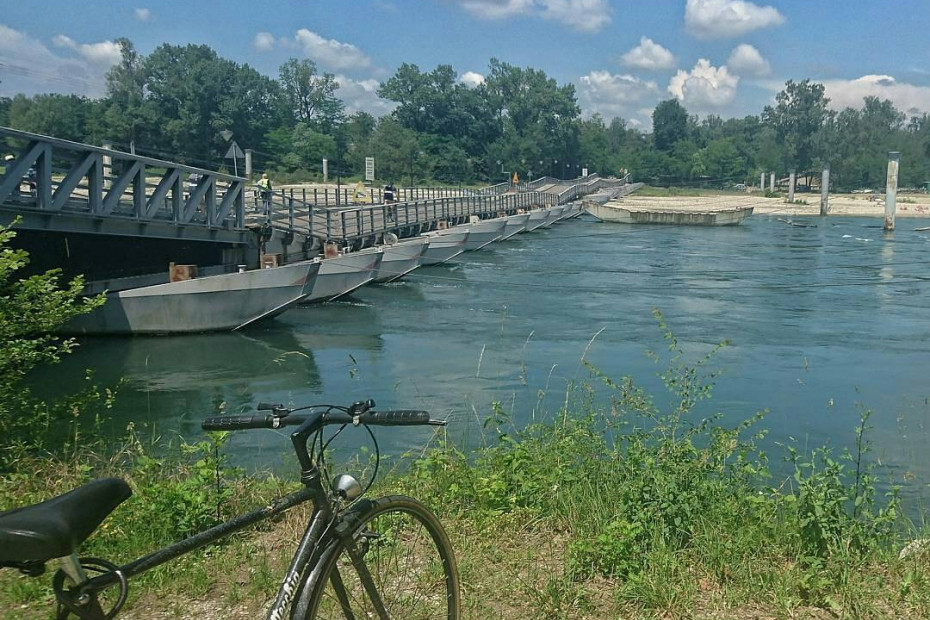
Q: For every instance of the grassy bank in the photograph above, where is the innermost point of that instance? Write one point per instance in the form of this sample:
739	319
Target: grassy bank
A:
616	507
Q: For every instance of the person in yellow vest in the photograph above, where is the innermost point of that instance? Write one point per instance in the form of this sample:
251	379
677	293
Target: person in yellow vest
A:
264	188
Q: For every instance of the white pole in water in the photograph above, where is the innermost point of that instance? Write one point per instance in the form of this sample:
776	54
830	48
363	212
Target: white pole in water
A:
772	182
792	178
891	189
825	190
762	182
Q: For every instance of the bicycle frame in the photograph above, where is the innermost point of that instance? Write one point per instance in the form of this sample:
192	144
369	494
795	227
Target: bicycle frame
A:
322	517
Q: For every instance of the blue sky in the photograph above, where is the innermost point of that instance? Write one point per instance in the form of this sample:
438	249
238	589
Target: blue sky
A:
726	57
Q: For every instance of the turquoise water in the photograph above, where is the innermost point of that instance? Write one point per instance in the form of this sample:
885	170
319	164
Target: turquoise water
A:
822	321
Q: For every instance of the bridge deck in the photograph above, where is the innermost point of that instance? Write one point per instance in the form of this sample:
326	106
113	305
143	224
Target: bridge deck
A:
60	186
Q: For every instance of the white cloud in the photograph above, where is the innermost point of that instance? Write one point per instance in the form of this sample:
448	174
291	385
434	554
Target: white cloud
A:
583	15
718	19
29	67
329	53
497	9
704	88
105	53
649	55
746	60
614	95
908	98
362	96
471	79
143	15
263	42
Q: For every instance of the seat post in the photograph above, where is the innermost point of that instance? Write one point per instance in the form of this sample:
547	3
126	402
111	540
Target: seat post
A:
71	566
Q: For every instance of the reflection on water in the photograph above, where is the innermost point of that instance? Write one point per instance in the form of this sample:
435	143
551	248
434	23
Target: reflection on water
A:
822	320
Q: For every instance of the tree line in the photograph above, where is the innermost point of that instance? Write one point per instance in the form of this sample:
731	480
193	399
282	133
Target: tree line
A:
175	103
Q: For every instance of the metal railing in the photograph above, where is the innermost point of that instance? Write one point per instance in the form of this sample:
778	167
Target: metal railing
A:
347	225
100	188
49	176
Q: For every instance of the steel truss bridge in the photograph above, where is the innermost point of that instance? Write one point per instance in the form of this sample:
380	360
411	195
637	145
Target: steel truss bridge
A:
58	186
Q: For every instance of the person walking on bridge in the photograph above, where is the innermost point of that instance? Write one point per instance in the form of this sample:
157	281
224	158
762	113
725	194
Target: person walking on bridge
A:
264	188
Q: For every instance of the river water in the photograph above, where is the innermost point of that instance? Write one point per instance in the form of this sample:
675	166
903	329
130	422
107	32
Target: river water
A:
823	321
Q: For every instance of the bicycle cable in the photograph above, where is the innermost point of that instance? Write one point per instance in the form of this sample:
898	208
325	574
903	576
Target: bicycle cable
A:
319	447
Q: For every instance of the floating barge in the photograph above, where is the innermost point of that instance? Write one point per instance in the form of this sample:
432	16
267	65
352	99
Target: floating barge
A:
225	302
615	211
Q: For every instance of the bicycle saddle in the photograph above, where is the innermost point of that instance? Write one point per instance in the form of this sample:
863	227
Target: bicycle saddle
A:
55	527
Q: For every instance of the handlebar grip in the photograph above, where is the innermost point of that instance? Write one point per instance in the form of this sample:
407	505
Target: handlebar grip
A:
237	422
399	417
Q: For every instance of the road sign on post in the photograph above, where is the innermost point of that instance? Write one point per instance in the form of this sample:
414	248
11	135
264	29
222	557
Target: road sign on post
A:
235	153
369	168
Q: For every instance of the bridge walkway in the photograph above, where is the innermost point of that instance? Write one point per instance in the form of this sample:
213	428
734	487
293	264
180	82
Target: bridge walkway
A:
61	187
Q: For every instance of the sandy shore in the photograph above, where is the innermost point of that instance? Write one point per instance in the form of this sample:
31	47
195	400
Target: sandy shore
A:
907	206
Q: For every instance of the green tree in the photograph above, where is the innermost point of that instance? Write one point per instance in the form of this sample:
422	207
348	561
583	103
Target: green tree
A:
722	162
127	114
397	148
60	116
356	134
311	96
536	117
436	103
594	145
195	95
311	147
5	111
799	113
409	88
669	125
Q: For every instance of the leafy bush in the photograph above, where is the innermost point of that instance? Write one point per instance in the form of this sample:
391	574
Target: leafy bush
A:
32	308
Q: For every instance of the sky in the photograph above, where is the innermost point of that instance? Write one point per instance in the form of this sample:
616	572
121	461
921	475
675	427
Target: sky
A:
723	57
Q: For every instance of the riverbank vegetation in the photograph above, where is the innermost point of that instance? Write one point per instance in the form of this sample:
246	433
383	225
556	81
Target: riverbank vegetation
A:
175	102
31	309
621	504
615	507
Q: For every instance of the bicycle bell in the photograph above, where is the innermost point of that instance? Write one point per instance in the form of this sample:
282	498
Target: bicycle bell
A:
347	486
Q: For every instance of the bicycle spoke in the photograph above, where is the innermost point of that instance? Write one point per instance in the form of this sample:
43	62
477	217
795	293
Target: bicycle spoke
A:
397	565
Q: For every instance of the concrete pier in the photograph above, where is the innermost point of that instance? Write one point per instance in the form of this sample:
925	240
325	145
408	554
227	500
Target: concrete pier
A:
891	189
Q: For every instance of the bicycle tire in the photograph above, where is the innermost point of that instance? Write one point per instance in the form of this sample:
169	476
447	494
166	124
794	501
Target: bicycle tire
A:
410	559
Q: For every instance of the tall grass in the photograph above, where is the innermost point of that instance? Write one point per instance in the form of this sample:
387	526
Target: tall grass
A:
623	504
670	511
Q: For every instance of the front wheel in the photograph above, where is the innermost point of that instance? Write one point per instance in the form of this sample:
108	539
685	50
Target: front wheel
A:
391	558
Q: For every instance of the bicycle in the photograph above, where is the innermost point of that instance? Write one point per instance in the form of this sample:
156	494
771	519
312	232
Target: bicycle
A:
358	558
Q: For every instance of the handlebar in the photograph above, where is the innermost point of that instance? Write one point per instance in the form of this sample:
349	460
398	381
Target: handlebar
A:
357	415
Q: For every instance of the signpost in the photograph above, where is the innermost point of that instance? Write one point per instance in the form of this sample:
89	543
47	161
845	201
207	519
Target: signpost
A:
369	168
235	153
